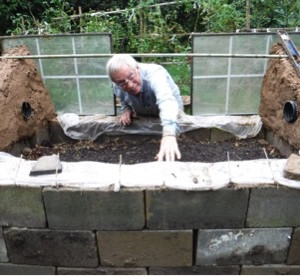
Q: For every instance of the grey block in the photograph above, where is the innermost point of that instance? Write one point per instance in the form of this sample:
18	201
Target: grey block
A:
280	269
15	269
3	251
283	146
41	137
102	271
145	248
79	209
274	207
50	247
294	252
195	270
243	246
22	207
176	209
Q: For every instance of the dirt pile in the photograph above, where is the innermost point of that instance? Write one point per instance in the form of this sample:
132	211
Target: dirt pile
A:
281	84
26	107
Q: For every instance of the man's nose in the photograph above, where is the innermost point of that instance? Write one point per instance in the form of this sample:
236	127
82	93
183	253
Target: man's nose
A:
129	84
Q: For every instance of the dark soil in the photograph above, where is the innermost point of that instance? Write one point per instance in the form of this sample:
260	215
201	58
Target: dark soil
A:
144	149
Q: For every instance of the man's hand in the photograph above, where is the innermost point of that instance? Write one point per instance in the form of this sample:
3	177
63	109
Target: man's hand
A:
126	117
168	149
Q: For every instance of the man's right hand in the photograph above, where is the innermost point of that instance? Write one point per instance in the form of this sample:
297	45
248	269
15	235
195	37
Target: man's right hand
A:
126	117
168	149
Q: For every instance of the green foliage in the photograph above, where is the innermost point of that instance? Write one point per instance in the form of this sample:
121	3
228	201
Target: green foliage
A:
221	16
143	28
57	9
40	18
275	14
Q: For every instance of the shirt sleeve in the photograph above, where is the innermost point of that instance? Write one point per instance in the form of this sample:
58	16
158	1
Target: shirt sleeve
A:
169	107
118	93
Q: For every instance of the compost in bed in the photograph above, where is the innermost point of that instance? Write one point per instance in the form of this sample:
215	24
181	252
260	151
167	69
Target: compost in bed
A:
144	149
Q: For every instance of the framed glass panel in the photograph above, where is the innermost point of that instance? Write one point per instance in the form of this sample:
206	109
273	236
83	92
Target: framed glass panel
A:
74	83
234	82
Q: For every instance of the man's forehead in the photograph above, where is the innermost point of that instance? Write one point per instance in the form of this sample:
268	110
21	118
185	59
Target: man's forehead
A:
124	69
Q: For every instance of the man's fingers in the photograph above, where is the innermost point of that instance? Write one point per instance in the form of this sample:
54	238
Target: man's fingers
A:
168	149
126	118
159	156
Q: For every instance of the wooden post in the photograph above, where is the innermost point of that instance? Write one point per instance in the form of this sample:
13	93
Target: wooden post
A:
248	15
141	24
80	18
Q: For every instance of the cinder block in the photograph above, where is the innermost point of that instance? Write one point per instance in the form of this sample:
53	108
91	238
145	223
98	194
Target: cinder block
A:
51	247
195	270
294	252
174	209
41	137
14	269
274	207
254	246
57	134
102	271
284	148
145	248
270	136
3	251
21	207
92	209
270	270
17	147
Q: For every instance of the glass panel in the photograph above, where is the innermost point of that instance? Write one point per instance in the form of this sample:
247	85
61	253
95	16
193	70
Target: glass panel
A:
244	97
296	40
74	83
57	46
96	96
210	66
29	42
92	45
238	78
207	66
64	95
209	96
91	66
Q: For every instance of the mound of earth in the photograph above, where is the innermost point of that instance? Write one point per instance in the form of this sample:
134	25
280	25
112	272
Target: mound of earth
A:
143	149
25	105
281	84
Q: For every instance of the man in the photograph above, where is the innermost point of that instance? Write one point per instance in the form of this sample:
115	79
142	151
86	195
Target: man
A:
148	90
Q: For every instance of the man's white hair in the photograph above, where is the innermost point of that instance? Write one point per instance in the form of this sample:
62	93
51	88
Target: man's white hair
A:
119	60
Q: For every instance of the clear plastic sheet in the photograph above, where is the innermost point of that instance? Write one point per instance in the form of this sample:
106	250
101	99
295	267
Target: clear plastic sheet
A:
92	127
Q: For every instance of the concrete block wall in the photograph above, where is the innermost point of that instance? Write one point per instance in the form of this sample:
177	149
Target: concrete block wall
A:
57	230
60	230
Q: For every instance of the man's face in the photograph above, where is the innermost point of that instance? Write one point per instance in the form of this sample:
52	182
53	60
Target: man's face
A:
128	79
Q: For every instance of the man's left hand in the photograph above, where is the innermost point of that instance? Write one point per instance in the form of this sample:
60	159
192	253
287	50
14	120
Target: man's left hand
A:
168	149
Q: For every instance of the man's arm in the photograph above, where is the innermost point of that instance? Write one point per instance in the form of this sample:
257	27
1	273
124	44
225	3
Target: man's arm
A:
127	115
167	93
